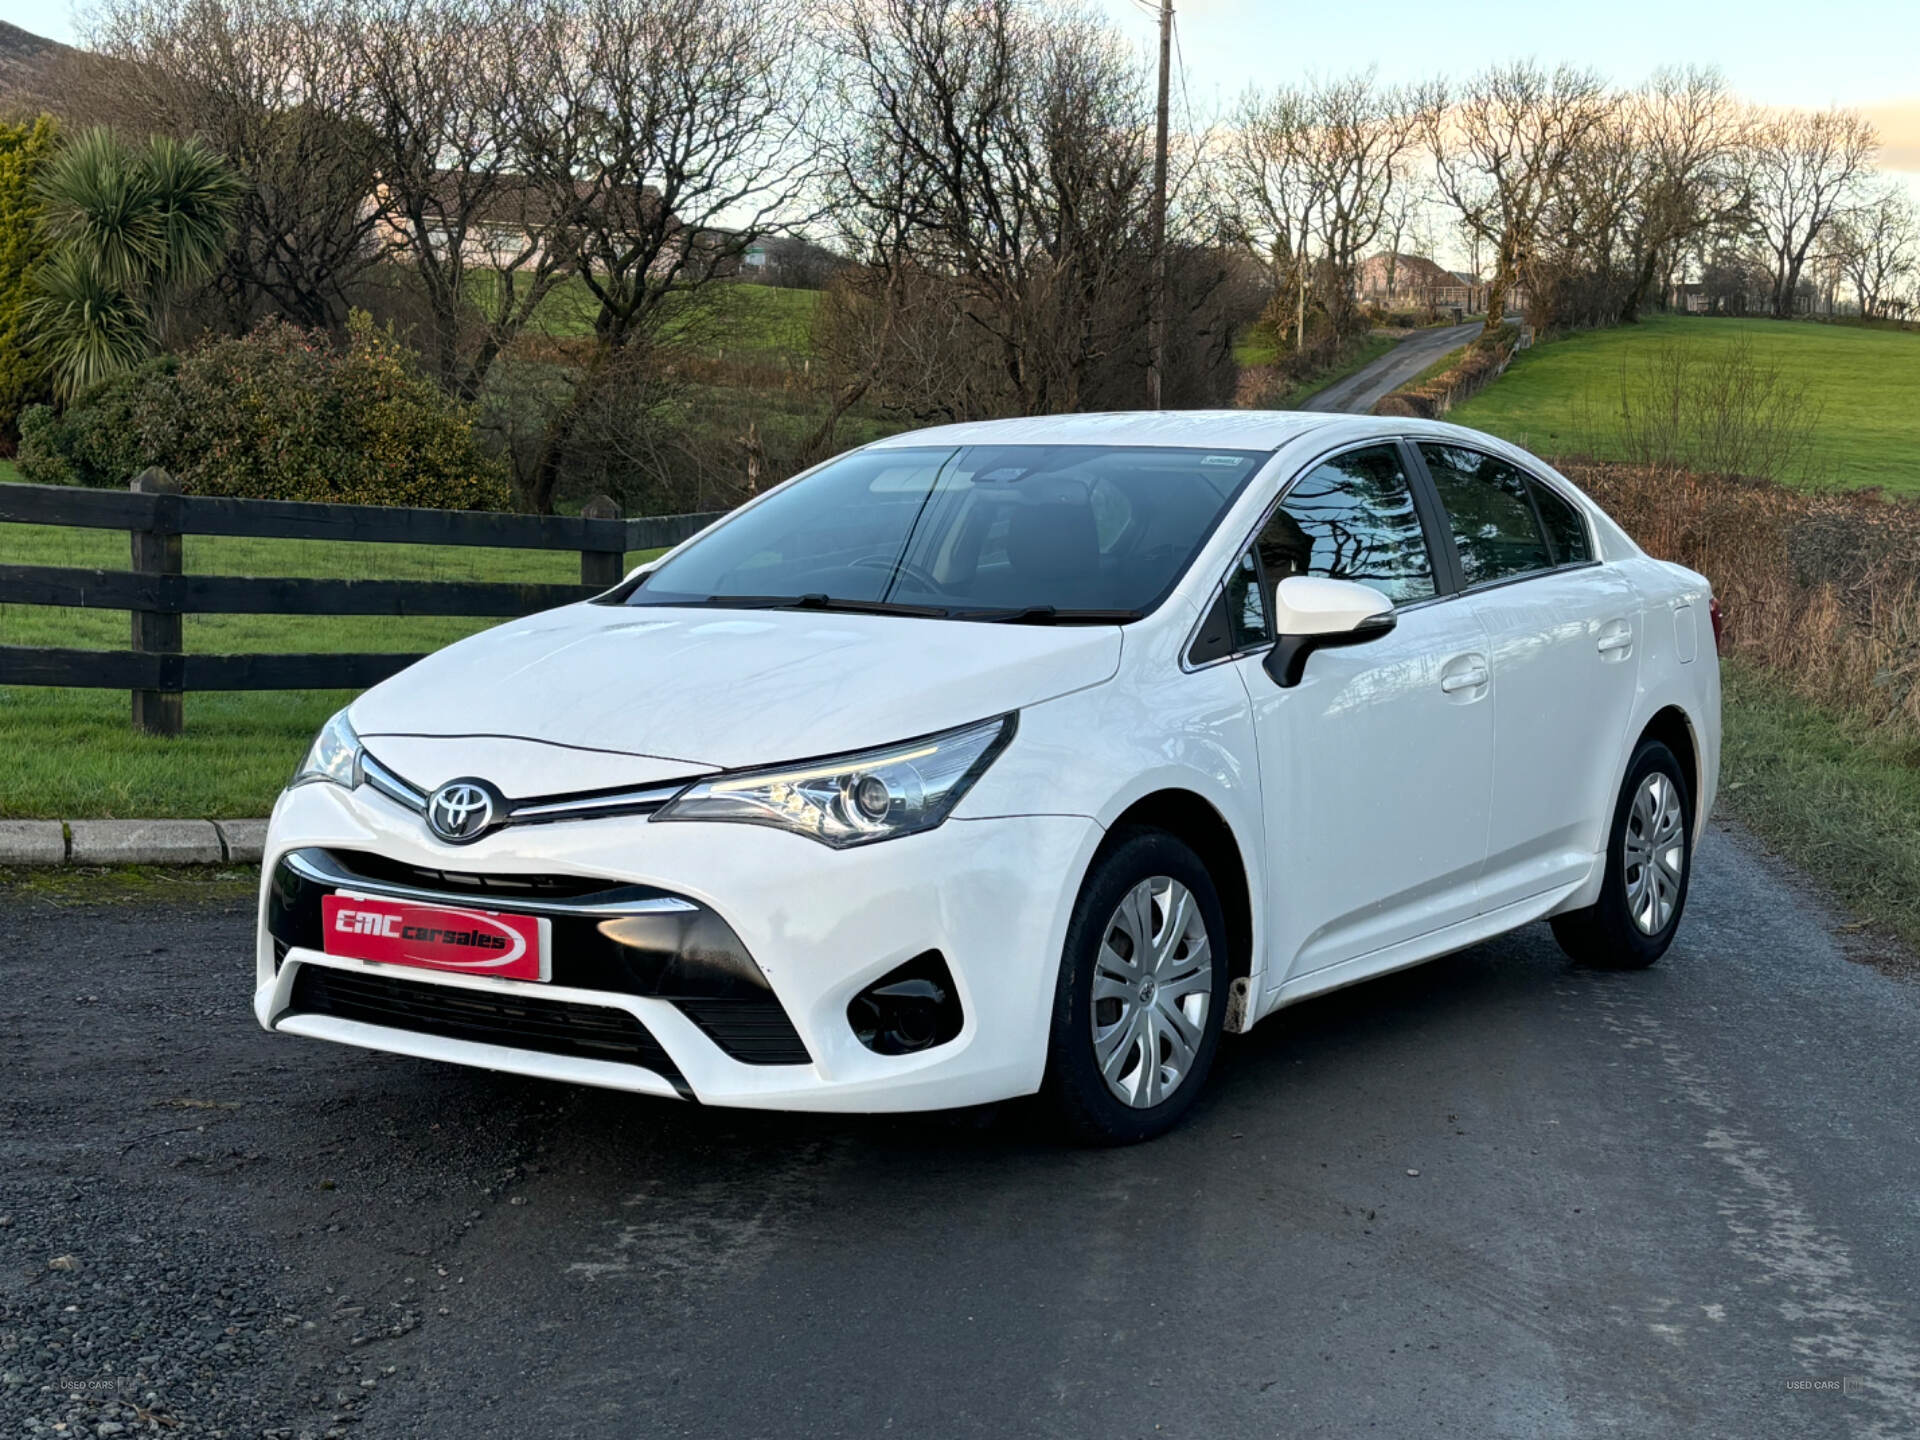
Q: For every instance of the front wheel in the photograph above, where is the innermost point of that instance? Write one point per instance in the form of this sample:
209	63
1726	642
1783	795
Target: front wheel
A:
1649	864
1142	993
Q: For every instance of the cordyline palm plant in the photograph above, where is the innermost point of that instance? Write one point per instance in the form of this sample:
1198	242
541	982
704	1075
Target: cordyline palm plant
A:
132	227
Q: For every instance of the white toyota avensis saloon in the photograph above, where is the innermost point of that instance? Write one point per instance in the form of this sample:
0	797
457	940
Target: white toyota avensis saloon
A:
1010	758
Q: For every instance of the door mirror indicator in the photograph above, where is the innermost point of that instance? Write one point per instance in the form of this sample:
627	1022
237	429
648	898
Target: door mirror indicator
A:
1313	613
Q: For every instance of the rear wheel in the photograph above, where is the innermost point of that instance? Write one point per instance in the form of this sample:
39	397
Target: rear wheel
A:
1649	864
1142	993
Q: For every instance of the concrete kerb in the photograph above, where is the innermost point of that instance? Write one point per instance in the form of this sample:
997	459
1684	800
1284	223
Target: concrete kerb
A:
131	842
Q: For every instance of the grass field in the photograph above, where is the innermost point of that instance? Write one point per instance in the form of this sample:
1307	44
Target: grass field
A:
1840	801
1562	397
758	322
72	754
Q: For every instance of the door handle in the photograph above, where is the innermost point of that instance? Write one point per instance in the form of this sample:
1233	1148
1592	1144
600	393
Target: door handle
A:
1469	672
1616	638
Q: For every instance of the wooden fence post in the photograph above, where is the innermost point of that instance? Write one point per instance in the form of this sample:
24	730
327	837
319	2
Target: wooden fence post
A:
156	551
602	569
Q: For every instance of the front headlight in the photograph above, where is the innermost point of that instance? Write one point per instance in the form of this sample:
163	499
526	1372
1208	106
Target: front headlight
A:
334	755
853	799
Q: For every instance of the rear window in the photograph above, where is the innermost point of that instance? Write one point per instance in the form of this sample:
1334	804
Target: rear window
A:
1566	530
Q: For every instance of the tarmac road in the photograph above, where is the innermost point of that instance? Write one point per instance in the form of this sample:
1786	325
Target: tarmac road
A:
1492	1196
1357	394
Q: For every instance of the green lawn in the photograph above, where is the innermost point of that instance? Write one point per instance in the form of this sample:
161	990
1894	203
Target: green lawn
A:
1839	801
72	754
745	321
1562	397
1438	368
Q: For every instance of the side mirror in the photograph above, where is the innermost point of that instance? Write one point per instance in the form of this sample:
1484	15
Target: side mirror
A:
1312	613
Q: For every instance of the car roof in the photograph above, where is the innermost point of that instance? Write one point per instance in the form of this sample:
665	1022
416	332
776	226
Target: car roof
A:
1225	429
1204	429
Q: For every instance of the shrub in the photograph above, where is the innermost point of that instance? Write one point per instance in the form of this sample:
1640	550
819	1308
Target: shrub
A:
281	414
1818	589
24	151
97	439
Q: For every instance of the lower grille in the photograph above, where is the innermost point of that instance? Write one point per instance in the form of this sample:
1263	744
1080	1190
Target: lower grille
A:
552	1027
752	1031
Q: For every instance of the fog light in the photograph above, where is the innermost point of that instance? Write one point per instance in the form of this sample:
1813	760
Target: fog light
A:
912	1008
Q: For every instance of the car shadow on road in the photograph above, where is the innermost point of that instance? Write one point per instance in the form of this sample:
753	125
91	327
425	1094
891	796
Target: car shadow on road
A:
1379	1033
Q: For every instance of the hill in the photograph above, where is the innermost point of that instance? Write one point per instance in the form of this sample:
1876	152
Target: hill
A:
1566	397
28	66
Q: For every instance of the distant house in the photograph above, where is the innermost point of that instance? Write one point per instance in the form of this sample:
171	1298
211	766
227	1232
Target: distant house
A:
513	225
1690	298
1399	282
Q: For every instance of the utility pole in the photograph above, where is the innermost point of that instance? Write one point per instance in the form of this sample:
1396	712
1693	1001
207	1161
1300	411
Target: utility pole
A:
1157	298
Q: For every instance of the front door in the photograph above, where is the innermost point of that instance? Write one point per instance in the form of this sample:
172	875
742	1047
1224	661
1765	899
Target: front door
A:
1375	770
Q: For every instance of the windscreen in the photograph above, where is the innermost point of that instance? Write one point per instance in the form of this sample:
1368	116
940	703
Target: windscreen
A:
979	531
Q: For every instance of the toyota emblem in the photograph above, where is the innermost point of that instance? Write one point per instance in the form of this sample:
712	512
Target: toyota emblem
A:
461	811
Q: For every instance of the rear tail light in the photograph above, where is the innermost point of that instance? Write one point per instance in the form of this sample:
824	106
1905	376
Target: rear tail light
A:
1719	622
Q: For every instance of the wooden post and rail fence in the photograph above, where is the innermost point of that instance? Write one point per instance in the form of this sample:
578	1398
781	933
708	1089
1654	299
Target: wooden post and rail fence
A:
157	591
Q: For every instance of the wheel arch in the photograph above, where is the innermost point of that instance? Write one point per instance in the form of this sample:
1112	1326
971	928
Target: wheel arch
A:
1674	728
1193	820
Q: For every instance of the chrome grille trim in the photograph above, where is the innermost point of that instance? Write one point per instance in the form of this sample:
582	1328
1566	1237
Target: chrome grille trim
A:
330	872
390	784
636	801
539	809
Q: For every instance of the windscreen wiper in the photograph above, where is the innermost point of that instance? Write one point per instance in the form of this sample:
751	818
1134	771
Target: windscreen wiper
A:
1051	615
815	600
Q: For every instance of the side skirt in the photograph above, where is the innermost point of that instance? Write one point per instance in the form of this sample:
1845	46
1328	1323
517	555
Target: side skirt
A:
1419	949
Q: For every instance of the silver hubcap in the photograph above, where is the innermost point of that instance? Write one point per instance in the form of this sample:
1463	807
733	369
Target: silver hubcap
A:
1656	853
1152	984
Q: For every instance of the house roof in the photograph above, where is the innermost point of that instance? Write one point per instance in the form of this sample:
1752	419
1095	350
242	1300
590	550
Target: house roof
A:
1409	271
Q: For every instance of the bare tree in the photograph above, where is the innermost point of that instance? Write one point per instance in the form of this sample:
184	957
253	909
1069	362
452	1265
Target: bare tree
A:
660	135
1314	172
1689	136
270	85
443	86
995	158
1500	150
1878	245
1582	263
1804	169
1407	219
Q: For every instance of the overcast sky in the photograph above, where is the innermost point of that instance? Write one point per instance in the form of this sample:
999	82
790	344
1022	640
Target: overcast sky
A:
1861	53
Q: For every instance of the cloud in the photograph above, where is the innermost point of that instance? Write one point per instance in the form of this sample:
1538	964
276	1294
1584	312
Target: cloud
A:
1898	122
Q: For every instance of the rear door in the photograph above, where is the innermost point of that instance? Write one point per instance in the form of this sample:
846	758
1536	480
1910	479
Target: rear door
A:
1375	770
1564	636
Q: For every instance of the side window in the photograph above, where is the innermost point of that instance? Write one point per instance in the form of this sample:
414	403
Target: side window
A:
1566	531
1494	525
1246	606
1351	519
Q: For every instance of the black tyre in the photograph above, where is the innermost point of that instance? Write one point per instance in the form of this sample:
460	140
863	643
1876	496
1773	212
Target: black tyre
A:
1649	865
1142	993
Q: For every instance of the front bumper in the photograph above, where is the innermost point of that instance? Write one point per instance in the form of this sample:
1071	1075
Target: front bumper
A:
992	896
